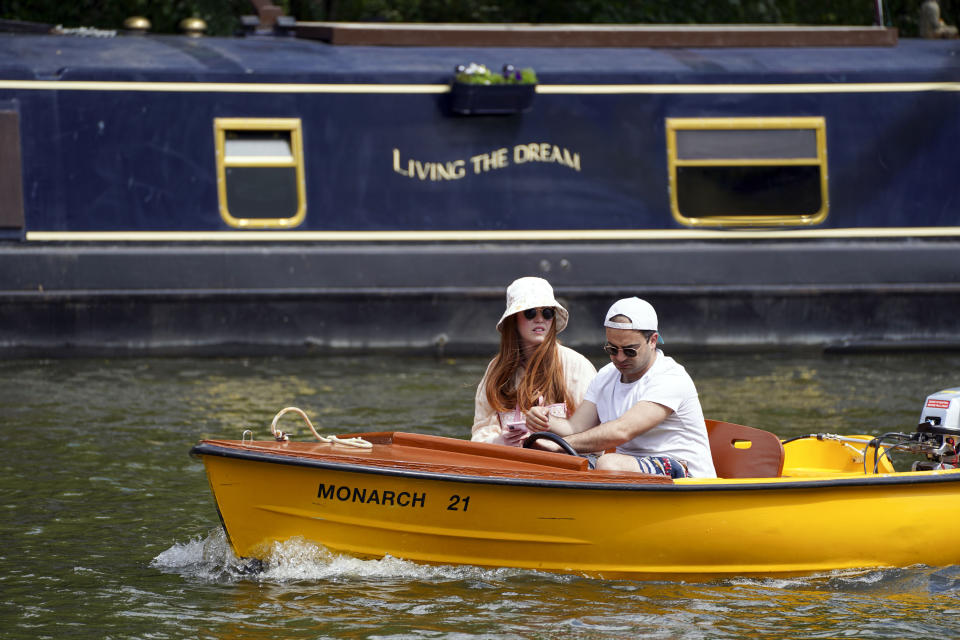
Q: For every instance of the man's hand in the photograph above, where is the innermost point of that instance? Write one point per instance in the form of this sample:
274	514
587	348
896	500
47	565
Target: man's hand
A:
546	445
538	419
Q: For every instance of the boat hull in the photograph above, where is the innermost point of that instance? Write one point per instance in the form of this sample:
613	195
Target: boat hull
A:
304	298
576	521
127	224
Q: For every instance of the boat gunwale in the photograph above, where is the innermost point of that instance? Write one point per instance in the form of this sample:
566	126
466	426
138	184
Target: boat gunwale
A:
210	448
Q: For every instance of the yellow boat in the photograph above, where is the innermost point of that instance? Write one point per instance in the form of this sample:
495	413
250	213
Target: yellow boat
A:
809	504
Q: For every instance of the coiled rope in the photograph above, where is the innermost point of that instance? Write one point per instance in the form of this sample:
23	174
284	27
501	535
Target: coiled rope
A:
280	436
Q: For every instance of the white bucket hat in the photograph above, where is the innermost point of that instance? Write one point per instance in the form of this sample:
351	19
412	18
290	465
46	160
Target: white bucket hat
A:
532	293
641	313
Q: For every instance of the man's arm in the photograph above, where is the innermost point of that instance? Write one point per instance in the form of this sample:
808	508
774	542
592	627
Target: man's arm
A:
583	418
639	419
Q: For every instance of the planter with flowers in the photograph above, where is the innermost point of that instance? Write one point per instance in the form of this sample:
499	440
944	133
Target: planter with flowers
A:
477	91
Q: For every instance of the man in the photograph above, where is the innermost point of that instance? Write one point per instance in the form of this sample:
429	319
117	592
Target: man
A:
643	403
931	24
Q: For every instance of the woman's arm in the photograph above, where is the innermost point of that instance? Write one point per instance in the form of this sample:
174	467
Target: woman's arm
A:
486	423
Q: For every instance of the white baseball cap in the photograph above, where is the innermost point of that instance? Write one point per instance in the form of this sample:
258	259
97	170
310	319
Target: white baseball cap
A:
532	293
641	313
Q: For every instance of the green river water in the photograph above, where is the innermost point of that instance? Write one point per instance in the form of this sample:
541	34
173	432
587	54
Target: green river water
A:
108	528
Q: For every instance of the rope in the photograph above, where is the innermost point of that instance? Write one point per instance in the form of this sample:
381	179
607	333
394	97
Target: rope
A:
280	436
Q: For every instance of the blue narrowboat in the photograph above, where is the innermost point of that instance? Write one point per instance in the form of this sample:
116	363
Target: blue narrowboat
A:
278	193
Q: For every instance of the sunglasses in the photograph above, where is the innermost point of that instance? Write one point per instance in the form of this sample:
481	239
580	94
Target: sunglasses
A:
546	312
630	352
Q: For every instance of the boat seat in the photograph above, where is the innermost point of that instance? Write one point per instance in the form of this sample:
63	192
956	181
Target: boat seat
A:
744	452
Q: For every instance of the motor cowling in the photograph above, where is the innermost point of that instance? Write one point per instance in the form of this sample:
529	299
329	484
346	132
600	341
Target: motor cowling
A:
939	430
941	413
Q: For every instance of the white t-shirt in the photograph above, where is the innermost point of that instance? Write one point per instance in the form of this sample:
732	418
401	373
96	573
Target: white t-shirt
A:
683	435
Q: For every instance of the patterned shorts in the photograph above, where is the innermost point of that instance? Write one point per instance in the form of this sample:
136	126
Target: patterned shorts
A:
662	466
654	465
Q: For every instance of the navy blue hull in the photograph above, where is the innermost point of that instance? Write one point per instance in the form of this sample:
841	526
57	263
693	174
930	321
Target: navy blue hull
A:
134	233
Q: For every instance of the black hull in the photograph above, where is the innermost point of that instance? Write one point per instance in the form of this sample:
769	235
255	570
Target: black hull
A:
290	299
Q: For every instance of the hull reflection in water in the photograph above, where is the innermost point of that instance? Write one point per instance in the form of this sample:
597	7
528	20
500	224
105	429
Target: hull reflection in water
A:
441	500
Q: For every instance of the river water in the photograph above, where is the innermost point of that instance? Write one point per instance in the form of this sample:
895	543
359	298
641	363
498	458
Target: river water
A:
109	529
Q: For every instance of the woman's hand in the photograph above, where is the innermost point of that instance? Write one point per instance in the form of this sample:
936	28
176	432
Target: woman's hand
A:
514	437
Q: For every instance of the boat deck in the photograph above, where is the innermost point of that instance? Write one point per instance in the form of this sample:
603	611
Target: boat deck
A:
413	453
420	455
594	35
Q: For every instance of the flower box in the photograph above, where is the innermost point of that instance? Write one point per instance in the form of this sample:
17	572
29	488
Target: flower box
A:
491	99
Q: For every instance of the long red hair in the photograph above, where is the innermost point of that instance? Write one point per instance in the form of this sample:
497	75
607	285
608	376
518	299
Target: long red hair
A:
543	375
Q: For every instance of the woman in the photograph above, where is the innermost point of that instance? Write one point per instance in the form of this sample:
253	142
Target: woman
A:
531	368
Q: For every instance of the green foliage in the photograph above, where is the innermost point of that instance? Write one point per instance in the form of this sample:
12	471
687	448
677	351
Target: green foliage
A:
527	76
897	13
222	16
479	74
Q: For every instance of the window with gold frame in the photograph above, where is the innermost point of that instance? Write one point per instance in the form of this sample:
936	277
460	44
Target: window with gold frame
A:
260	174
747	171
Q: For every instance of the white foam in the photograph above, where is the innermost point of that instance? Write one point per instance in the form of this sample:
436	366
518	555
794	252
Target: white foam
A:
296	560
865	576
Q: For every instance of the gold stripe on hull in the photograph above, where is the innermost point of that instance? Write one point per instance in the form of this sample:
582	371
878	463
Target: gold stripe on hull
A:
545	89
561	235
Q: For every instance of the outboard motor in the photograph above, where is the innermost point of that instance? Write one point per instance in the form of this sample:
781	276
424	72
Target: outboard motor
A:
940	428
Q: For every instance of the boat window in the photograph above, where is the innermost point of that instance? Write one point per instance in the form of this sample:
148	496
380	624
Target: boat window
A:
747	171
260	174
11	184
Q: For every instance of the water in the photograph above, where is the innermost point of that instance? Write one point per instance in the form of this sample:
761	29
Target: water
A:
109	530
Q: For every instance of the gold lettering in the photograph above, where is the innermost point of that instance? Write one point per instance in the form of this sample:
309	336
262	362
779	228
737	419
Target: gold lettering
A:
487	161
423	169
396	164
477	160
484	162
500	159
572	162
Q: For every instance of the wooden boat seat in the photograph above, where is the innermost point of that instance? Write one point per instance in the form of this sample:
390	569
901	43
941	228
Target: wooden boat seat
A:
744	452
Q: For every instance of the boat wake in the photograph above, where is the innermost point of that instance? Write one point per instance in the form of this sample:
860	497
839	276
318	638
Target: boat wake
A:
212	560
918	579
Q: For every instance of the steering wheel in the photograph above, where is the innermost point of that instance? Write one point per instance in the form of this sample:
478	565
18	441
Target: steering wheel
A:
552	437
